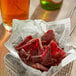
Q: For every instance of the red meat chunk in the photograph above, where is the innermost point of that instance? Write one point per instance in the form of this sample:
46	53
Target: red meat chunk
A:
45	46
36	59
53	55
40	67
26	58
33	47
23	53
47	59
47	37
19	46
55	50
57	53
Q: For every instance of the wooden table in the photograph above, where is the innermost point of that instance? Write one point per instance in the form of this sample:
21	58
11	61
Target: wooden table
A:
36	12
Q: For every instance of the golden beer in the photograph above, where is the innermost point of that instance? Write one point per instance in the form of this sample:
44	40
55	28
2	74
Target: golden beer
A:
14	9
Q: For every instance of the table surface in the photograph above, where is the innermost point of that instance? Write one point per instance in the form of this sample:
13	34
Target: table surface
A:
36	12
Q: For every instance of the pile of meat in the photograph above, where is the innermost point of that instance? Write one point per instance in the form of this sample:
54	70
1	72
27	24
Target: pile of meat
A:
41	53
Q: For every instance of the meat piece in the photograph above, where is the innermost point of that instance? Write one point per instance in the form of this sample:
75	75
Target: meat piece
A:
45	46
55	50
40	67
19	46
47	37
62	55
57	53
28	62
23	53
33	47
36	59
47	59
25	57
53	55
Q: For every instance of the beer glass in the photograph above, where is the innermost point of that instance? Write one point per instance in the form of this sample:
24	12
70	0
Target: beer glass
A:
14	9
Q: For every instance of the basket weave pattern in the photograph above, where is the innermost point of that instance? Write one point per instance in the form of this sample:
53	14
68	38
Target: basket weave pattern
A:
14	67
65	71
